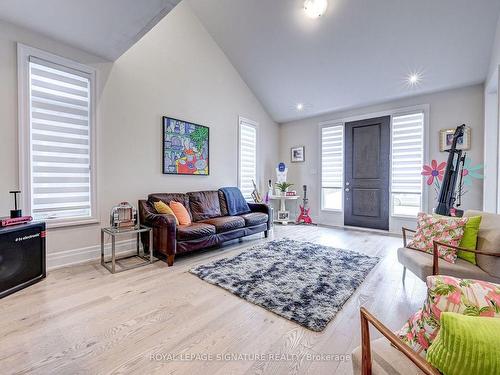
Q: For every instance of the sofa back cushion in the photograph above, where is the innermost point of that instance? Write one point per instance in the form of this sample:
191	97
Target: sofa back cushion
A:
488	239
204	205
223	204
167	197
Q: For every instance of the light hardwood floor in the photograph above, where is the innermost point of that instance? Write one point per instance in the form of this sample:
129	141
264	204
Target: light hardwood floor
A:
83	320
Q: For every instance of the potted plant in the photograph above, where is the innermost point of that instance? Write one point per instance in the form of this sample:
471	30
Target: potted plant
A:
283	187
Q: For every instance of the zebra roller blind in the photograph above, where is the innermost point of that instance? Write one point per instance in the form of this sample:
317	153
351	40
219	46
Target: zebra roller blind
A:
248	158
332	166
60	144
407	160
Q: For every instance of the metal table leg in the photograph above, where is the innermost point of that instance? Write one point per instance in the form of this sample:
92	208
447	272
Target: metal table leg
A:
102	247
138	246
150	235
113	255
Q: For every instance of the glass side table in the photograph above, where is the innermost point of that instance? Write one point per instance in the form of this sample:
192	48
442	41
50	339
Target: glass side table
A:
111	264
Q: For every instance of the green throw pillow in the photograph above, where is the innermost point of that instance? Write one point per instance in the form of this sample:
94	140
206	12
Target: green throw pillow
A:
466	345
469	239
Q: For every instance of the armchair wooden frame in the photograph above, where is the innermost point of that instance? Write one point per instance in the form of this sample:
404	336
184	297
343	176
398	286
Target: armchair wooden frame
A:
366	358
435	253
405	242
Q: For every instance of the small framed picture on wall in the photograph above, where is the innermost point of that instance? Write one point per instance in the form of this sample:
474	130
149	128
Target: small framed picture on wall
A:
298	154
446	139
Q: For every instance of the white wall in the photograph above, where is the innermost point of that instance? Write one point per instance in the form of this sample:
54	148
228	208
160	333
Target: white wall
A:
491	126
447	110
495	54
176	70
492	130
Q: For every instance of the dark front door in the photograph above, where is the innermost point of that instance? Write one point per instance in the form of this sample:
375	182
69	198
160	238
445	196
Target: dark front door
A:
366	166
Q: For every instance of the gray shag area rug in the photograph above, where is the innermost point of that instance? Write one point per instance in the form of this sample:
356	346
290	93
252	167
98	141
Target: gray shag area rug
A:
301	281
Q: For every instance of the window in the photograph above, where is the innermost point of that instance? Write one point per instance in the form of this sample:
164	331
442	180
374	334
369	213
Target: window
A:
57	144
332	166
407	159
247	157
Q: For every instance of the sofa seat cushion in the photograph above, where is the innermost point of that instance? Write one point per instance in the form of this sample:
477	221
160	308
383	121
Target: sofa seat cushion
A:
225	223
254	218
420	263
194	231
386	360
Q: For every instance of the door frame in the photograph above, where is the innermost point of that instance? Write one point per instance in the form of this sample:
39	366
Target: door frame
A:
336	217
381	183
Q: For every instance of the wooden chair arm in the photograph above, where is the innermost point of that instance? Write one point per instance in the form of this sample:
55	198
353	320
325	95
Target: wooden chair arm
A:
490	253
404	229
366	319
435	254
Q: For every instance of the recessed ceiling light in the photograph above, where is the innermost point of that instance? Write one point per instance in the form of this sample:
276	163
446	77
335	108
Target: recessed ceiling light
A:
300	107
413	79
315	8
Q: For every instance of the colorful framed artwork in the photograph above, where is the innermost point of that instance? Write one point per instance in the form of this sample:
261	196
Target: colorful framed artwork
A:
446	139
185	148
298	154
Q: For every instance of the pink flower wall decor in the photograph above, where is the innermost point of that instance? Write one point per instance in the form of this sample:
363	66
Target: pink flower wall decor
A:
434	170
434	174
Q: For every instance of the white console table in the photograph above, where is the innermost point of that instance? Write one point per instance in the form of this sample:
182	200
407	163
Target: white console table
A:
283	199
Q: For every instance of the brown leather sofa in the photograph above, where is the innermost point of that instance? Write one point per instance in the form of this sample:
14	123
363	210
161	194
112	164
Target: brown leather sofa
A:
211	223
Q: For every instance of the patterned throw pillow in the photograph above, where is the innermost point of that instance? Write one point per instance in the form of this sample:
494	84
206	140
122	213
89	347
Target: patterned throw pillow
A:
449	294
448	230
163	208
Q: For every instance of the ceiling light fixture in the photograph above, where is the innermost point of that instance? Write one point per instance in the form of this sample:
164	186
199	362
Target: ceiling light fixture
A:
300	107
413	79
315	8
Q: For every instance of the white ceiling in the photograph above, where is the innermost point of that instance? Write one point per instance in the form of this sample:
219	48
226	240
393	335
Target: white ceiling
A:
106	28
357	54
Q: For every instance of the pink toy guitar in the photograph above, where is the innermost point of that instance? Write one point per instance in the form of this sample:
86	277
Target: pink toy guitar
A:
304	217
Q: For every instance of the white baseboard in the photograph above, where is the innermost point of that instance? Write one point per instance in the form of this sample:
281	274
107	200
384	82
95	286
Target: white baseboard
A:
87	254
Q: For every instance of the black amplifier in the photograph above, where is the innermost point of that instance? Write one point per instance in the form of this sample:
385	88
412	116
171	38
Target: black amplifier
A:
22	256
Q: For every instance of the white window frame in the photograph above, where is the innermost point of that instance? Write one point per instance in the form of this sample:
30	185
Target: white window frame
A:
248	122
23	54
329	124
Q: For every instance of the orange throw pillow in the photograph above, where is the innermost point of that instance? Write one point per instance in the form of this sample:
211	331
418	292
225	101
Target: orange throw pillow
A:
180	213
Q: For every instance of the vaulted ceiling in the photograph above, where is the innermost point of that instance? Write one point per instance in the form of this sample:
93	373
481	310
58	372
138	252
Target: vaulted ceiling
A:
106	28
358	53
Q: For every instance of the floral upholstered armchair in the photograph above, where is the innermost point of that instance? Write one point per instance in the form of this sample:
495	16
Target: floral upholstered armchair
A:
486	255
406	351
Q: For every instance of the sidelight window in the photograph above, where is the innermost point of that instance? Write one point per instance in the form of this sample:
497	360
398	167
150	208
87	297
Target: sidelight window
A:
332	166
407	160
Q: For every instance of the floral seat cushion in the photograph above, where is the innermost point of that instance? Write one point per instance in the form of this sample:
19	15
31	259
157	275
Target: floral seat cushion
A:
448	230
450	294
